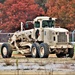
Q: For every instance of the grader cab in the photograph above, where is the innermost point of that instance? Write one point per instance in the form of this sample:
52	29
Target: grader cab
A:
42	40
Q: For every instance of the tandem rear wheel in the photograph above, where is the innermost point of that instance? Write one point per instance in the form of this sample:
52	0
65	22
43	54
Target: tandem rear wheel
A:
40	50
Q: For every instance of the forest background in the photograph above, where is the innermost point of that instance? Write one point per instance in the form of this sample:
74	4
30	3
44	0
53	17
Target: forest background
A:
13	12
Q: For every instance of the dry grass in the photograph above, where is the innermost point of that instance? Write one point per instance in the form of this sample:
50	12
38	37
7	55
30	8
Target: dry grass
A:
8	63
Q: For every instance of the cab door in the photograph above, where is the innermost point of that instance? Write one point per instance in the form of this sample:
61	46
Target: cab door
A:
38	30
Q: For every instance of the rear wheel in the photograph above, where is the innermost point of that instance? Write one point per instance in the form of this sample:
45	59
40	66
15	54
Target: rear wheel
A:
6	51
44	50
34	50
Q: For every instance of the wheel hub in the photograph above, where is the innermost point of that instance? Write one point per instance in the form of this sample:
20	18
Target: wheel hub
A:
42	51
5	51
34	51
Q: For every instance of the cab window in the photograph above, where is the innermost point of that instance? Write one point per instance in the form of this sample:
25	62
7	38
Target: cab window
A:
47	23
37	24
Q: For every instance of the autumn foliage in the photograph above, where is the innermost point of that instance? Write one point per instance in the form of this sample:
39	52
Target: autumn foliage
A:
15	11
64	10
12	12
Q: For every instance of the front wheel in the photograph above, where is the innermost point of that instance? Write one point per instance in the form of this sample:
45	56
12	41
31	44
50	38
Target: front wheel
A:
6	51
71	52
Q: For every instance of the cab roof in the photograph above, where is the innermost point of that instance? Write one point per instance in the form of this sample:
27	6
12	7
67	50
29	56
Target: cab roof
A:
43	18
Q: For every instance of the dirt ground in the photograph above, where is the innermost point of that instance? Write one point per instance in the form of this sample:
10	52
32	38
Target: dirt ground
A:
20	65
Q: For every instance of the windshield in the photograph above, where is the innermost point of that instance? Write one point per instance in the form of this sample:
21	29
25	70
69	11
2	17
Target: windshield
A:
47	23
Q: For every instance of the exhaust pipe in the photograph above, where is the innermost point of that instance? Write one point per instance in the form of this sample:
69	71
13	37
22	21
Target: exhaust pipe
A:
21	26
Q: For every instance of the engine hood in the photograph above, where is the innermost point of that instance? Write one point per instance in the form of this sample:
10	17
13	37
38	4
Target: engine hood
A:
57	29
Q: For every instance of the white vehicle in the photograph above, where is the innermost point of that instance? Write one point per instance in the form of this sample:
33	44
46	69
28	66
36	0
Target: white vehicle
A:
42	40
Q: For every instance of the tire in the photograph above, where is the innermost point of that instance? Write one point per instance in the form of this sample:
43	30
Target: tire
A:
71	52
6	51
34	50
44	50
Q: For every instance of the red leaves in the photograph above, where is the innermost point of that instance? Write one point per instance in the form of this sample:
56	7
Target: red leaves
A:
1	6
16	11
71	27
64	10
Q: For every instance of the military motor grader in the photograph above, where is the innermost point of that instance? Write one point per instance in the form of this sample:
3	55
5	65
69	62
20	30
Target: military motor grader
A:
39	42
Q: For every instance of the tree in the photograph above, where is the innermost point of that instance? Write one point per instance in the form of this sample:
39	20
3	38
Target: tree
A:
42	4
2	1
16	11
1	6
64	10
